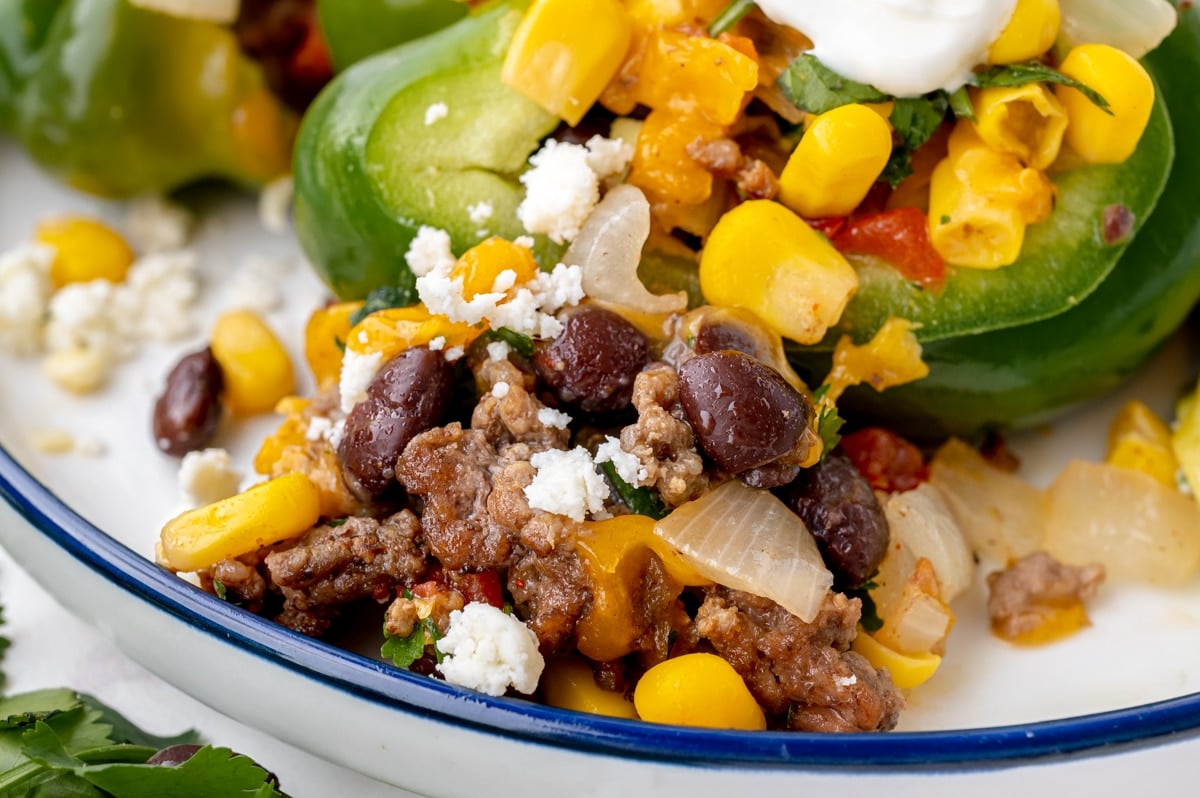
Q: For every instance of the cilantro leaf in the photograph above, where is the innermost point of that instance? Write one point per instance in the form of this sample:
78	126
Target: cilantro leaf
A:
123	730
209	773
915	120
816	88
729	17
389	296
642	501
960	104
404	651
829	422
521	344
869	620
1034	72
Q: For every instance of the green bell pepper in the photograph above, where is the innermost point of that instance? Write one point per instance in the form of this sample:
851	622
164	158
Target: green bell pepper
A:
119	100
355	29
1027	374
371	168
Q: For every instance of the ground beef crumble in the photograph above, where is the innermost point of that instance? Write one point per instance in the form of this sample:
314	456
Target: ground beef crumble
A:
1024	595
661	440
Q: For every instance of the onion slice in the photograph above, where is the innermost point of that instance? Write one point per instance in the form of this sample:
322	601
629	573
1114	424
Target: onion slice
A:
747	539
921	520
609	249
1135	26
223	12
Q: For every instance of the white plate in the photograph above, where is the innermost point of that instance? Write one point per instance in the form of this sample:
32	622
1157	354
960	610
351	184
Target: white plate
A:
1138	666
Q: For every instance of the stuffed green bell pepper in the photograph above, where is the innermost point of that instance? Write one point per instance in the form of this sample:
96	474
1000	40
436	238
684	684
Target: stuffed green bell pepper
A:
355	29
417	135
120	100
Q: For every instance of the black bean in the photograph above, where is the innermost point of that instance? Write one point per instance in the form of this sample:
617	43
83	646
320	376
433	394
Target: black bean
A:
593	363
743	414
839	507
715	337
409	395
188	412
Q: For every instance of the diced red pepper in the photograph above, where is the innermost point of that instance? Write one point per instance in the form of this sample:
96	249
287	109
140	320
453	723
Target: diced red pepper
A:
483	587
886	460
310	64
900	237
828	226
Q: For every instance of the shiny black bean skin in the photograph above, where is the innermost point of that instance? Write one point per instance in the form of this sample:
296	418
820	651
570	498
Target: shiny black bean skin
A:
409	395
840	509
188	412
593	363
743	414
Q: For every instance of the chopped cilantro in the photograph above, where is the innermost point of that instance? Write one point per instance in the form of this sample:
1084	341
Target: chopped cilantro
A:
729	17
340	344
915	120
869	620
522	344
404	651
829	423
960	104
219	589
816	88
642	501
1035	72
389	296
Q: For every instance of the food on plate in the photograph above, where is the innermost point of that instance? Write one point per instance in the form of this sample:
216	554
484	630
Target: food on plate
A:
602	296
120	99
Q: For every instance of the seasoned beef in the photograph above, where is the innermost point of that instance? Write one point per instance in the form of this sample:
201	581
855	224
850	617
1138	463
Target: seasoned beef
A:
840	509
1024	595
661	440
550	592
331	566
513	417
241	581
802	672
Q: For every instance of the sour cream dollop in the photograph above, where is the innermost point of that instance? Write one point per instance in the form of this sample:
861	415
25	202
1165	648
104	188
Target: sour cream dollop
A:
901	47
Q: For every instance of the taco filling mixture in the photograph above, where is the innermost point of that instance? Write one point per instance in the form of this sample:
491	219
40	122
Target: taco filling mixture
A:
659	328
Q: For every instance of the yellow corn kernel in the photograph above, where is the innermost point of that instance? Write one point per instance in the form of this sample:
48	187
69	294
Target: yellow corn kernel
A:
652	14
1000	177
1185	441
324	338
568	683
837	161
966	228
256	367
697	690
1025	121
482	264
1139	440
1098	136
892	357
1030	32
80	370
389	332
765	258
561	64
615	554
695	75
84	250
292	431
1054	623
907	670
661	165
267	513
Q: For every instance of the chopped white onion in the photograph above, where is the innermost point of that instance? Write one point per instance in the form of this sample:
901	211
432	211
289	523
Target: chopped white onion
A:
908	600
921	520
1135	26
220	11
609	249
1001	515
1135	526
749	540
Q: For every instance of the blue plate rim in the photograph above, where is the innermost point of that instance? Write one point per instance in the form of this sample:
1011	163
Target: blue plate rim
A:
366	679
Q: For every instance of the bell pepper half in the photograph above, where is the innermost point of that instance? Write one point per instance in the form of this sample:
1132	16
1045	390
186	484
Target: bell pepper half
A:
355	29
119	100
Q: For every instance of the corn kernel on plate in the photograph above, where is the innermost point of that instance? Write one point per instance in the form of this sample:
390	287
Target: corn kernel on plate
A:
1120	698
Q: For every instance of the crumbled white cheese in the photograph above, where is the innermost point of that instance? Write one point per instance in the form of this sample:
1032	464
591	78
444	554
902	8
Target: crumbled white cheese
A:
25	290
319	428
549	417
560	191
429	252
256	285
81	317
845	681
480	212
497	351
155	224
206	476
437	344
489	650
436	113
566	483
335	434
275	204
358	370
156	299
608	157
505	280
90	446
628	467
454	353
559	288
500	390
524	241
